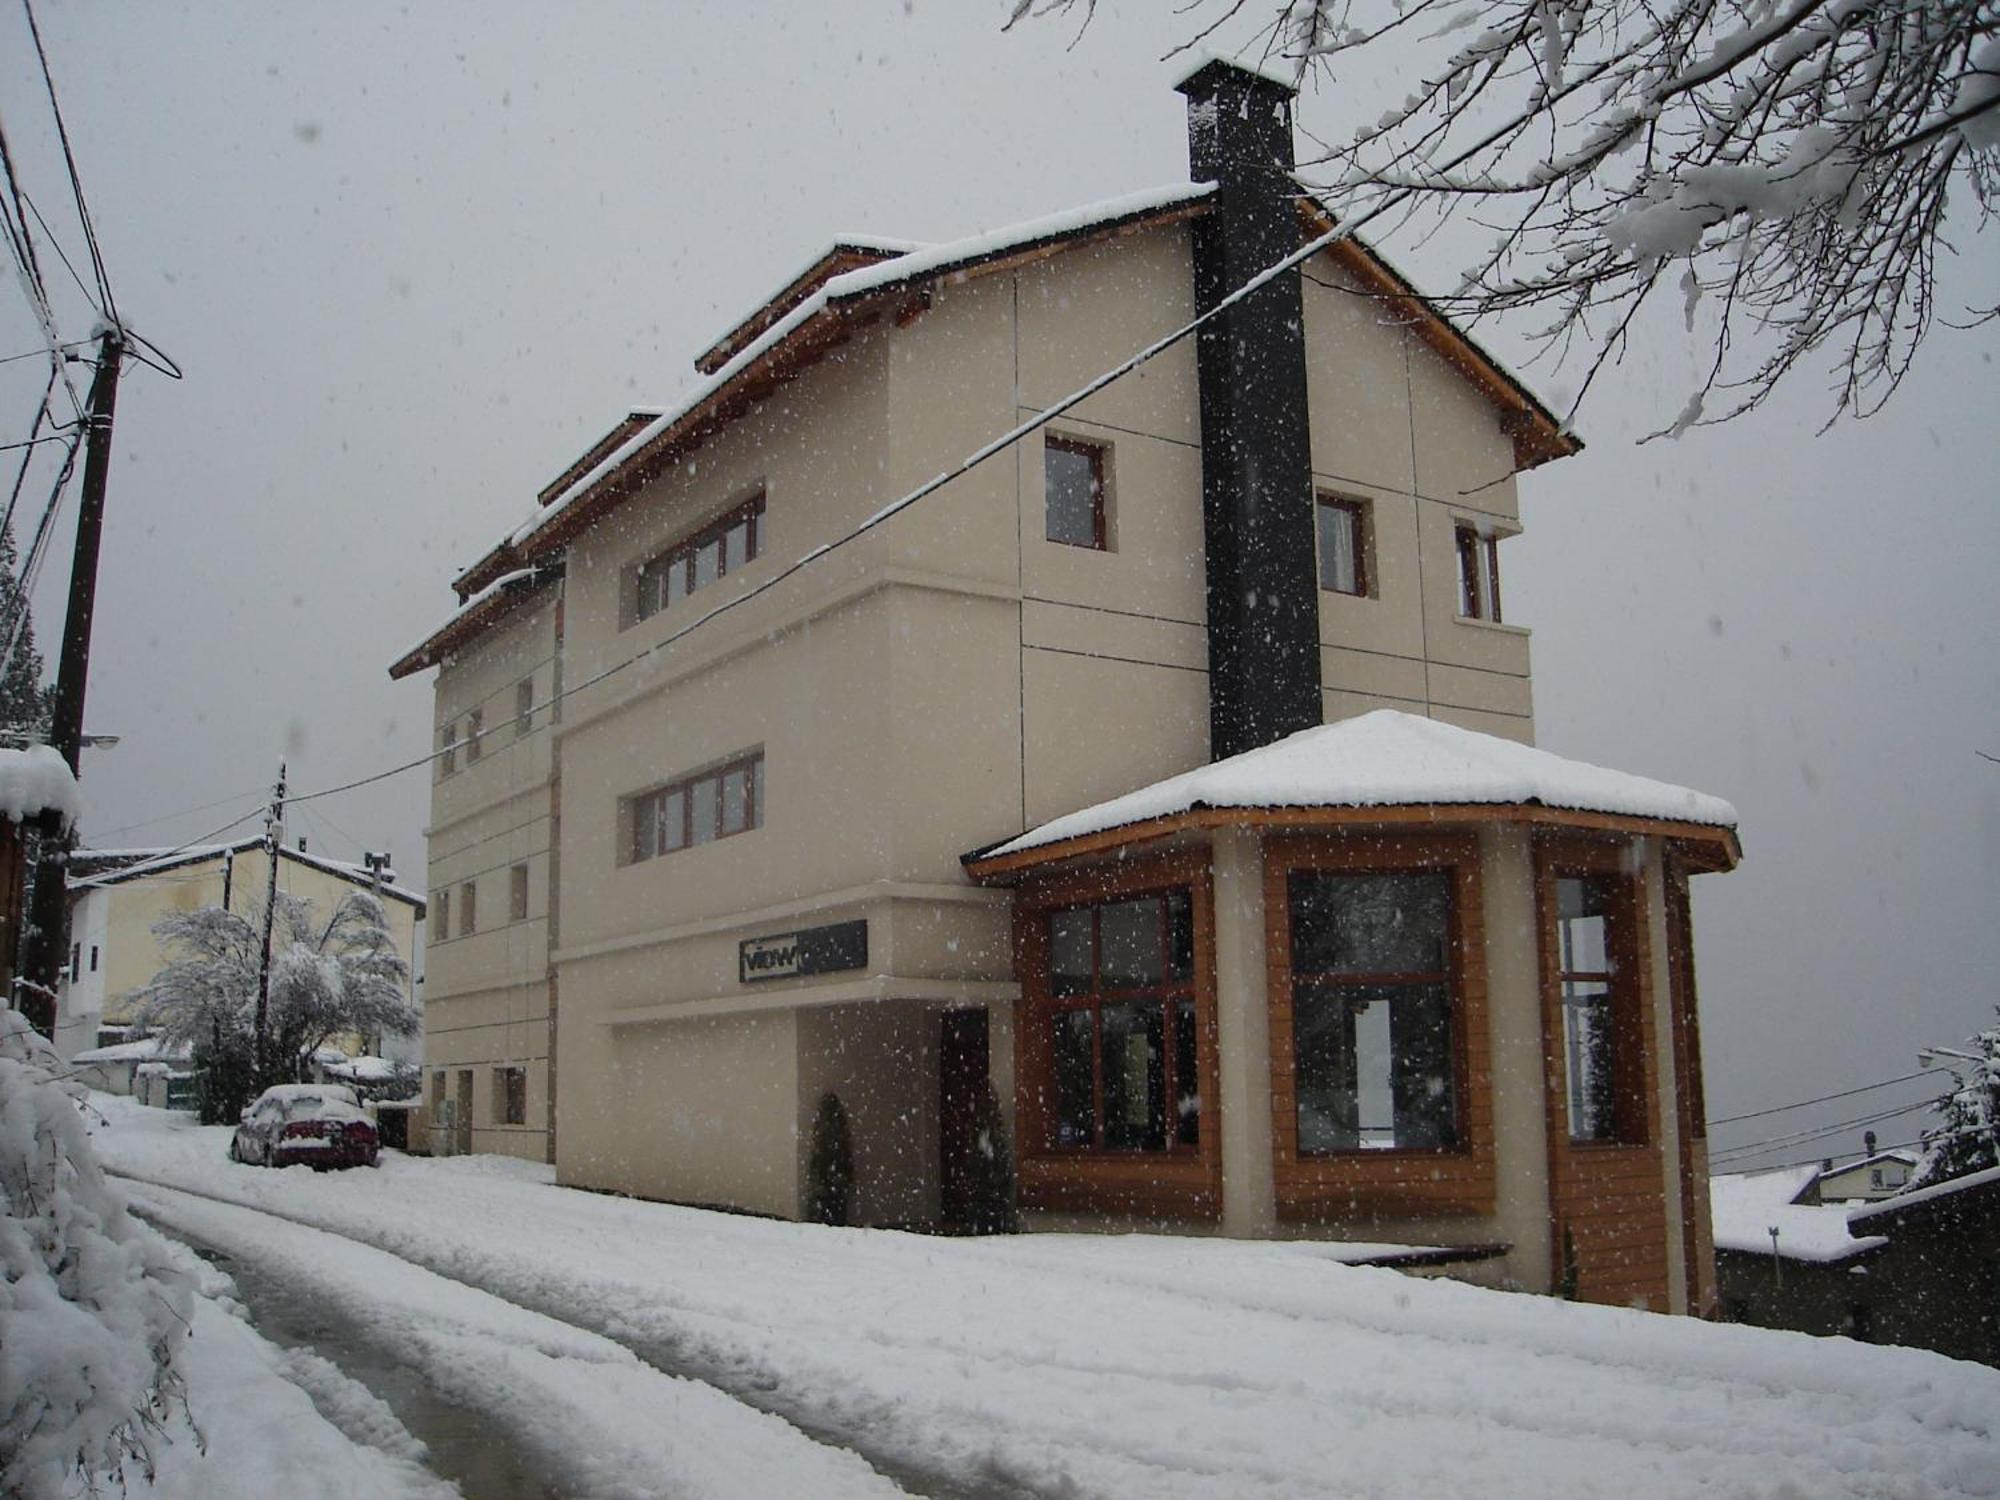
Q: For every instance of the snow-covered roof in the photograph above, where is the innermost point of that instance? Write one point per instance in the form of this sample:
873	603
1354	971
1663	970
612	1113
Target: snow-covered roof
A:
146	1049
117	866
1387	759
1747	1205
1890	1207
37	780
513	584
1271	71
361	1069
1897	1155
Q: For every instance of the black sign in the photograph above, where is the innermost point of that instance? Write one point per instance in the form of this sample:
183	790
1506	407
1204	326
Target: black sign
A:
793	955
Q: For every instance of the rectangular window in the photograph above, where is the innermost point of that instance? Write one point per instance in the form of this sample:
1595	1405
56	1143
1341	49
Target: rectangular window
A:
448	749
524	706
510	1096
475	726
1600	1010
440	916
468	909
722	547
1120	1025
1373	1034
93	958
75	961
1073	478
1343	545
517	894
699	809
1478	574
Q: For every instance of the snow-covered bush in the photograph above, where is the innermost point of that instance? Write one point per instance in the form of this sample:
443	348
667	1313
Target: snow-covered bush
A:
92	1312
1966	1137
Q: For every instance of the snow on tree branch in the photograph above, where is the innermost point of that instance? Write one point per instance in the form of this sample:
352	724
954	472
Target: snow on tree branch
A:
92	1311
1792	160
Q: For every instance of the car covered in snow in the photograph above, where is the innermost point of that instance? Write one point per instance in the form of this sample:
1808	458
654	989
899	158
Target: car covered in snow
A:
306	1124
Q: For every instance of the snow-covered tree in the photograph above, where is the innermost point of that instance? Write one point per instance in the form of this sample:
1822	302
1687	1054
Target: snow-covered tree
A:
1966	1137
92	1311
24	701
326	977
1789	160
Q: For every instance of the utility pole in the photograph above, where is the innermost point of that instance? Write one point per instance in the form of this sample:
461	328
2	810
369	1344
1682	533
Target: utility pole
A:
273	820
377	863
47	937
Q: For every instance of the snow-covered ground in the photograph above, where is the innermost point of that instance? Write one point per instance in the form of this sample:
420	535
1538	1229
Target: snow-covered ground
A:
1142	1366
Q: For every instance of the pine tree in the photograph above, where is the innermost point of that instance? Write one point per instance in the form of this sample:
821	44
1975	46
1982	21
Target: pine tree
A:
1968	1116
24	701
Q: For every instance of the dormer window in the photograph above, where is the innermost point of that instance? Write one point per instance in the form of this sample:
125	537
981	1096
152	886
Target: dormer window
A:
1478	574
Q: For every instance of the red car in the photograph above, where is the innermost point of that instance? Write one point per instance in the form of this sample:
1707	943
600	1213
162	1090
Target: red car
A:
316	1125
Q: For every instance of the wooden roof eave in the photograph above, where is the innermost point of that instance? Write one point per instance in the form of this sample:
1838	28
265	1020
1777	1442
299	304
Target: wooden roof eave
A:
456	632
1707	846
838	261
1537	436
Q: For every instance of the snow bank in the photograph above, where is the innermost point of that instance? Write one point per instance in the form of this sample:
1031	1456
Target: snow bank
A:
1150	1365
1746	1206
1389	759
37	780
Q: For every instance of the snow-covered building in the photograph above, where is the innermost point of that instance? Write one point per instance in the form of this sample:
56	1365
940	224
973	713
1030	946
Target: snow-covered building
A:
117	895
1167	771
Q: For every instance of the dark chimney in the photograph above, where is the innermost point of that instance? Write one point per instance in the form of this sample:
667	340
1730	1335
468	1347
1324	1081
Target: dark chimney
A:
1256	462
1868	1141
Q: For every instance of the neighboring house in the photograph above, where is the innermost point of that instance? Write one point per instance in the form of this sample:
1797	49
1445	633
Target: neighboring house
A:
117	895
1878	1175
114	1068
1401	978
1921	1269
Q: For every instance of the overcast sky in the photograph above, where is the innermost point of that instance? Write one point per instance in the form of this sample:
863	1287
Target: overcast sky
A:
415	259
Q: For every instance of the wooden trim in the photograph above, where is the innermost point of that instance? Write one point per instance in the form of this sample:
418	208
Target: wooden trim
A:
1717	840
1385	1183
1691	1110
1358	513
1608	1196
456	632
1164	1184
838	261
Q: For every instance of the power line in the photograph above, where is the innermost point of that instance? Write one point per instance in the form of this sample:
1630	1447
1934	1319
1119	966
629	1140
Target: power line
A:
1799	1138
109	304
1778	1109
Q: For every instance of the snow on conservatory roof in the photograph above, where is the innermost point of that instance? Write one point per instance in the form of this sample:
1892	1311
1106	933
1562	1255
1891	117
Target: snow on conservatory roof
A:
1386	759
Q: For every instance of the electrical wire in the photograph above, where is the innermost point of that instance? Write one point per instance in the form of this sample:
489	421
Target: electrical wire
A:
1799	1138
109	304
1778	1109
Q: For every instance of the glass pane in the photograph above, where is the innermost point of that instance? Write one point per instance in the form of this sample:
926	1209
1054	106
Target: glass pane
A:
1076	1114
1071	479
1187	1081
736	547
1583	906
1370	924
673	815
707	563
702	799
676	575
645	841
1588	1055
735	801
1339	549
1135	1081
757	792
1180	935
1069	952
1129	935
1374	1067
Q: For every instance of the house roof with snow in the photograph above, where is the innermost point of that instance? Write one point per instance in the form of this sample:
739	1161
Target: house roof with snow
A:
1747	1206
859	280
91	869
1375	768
477	614
146	1049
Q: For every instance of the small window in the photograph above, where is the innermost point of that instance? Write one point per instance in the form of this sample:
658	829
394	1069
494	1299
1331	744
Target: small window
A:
1600	1010
440	916
699	809
1343	545
1478	574
517	893
468	909
1073	478
93	958
437	1094
722	547
448	749
524	706
510	1096
475	726
75	961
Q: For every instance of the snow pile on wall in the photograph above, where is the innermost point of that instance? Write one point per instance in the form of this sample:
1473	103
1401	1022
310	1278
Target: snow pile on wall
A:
1390	759
92	1312
34	781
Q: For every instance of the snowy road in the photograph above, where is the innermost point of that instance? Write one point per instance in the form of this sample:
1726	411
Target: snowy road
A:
1050	1365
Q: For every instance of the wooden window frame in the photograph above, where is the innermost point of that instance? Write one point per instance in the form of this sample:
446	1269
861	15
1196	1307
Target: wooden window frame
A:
1631	1125
510	1095
475	730
524	707
1414	1182
648	601
1098	454
447	749
517	892
468	908
643	808
1174	1184
1359	519
1478	561
441	915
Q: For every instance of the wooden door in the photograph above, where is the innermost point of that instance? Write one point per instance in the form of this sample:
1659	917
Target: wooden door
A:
962	1080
